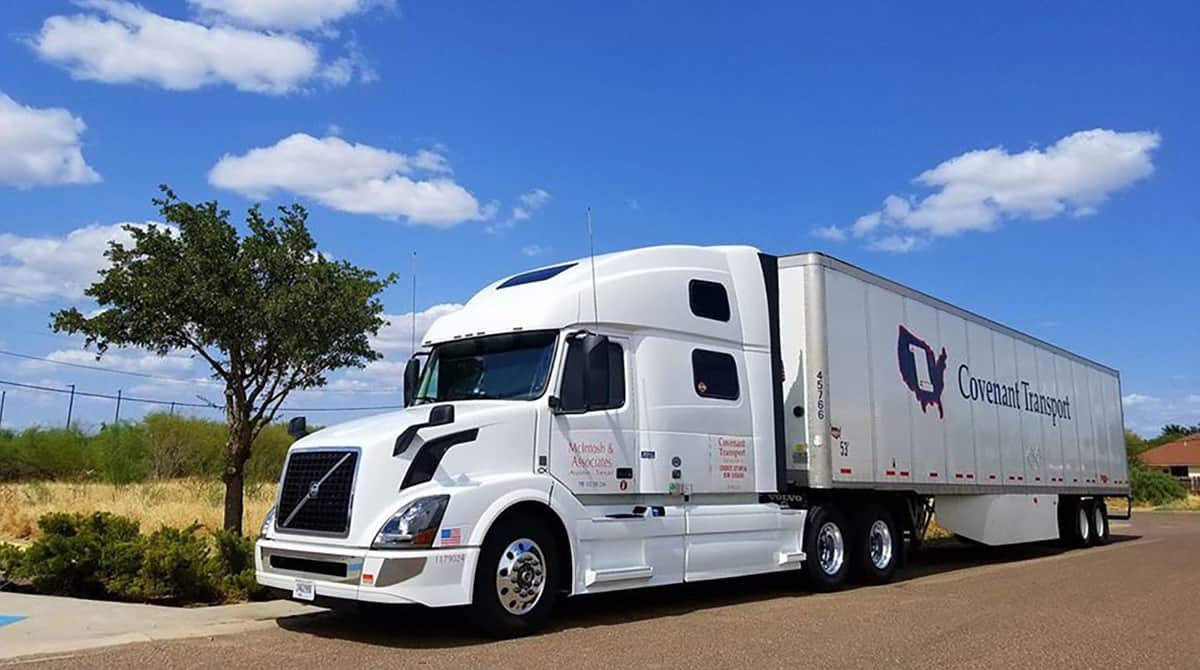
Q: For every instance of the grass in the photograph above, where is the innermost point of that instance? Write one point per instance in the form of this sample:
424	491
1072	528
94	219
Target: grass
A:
153	504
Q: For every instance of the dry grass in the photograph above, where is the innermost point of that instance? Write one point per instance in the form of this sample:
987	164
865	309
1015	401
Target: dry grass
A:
177	503
1188	504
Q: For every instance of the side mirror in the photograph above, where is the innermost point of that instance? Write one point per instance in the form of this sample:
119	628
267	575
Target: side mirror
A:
412	377
298	427
596	373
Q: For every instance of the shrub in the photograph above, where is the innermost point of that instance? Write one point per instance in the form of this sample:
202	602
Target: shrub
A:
235	562
103	556
75	554
1154	486
168	564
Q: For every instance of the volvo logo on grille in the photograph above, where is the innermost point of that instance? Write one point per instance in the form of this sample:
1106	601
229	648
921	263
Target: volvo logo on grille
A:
314	489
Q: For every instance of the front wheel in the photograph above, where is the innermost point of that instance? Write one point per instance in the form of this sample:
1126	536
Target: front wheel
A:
516	581
827	548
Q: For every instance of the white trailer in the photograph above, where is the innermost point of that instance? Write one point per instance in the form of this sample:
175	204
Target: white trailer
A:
676	414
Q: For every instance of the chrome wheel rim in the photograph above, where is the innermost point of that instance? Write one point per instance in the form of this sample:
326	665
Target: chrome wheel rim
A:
831	548
1083	524
1098	514
879	541
521	576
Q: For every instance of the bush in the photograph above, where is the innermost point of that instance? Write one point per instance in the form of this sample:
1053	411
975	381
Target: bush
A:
75	554
1153	487
235	562
103	556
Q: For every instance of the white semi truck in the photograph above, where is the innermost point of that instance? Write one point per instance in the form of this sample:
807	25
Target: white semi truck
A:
677	414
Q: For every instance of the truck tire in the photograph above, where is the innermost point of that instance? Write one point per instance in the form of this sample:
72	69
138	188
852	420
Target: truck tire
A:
1099	519
877	545
516	580
827	548
1074	522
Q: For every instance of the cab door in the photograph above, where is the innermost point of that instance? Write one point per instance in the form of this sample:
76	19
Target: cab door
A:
594	448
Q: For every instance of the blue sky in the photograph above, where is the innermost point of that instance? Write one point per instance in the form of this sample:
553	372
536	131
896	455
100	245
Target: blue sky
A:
1041	159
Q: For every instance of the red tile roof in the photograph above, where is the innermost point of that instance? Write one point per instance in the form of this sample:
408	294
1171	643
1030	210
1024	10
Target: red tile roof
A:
1184	451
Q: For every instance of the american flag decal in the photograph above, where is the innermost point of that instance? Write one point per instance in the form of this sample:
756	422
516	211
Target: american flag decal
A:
451	536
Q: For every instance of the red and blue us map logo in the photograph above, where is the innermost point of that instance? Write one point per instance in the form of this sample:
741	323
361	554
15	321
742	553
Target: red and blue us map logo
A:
923	372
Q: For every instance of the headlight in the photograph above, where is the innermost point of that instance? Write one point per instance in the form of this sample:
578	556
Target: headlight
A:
416	525
268	522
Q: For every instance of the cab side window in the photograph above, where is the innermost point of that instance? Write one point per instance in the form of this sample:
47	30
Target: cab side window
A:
714	375
571	392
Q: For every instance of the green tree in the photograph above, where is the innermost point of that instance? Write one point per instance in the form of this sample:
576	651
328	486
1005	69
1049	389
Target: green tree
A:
267	312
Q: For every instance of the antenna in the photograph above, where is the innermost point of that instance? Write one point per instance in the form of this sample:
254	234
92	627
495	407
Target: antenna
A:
592	254
413	334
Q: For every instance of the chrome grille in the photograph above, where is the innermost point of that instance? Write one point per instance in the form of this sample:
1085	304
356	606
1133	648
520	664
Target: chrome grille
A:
317	489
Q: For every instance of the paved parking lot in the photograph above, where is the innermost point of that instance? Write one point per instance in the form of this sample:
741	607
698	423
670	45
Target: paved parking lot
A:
1133	603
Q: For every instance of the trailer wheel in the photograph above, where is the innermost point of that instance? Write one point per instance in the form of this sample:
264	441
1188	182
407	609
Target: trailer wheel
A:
827	547
516	580
1074	522
1099	522
877	545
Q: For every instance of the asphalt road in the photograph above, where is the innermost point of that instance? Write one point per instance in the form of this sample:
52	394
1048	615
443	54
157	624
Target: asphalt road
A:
1133	603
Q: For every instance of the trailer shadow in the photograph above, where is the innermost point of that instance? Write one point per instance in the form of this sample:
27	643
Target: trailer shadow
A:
415	627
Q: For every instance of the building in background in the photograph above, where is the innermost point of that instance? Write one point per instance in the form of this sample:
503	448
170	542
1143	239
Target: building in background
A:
1180	459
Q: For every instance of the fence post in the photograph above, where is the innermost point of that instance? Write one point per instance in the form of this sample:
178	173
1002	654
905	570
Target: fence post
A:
117	416
70	406
3	396
172	409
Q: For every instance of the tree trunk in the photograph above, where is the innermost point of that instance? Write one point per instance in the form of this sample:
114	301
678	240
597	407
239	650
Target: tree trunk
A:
235	484
237	452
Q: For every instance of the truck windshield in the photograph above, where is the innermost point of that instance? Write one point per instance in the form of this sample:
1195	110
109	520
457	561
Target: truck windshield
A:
514	366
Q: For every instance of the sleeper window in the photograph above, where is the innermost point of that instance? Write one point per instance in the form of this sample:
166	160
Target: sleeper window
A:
708	300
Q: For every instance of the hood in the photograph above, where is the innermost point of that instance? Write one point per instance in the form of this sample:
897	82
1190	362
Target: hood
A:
377	494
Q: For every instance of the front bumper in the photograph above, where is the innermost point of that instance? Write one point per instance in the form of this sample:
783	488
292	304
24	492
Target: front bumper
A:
432	577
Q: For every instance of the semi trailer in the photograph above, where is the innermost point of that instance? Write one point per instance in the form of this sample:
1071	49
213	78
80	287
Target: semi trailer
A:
678	414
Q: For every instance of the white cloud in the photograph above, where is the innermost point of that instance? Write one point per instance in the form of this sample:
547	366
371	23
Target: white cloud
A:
128	360
355	178
831	233
1147	414
285	14
394	340
528	204
534	250
121	42
40	147
895	244
978	190
33	269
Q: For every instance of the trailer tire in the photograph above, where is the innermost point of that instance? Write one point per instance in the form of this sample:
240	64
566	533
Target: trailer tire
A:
828	548
1099	522
877	545
516	579
1074	522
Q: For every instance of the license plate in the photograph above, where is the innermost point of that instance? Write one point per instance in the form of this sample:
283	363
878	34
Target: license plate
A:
303	590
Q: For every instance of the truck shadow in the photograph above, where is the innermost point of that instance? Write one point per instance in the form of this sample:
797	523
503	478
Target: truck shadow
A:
417	627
